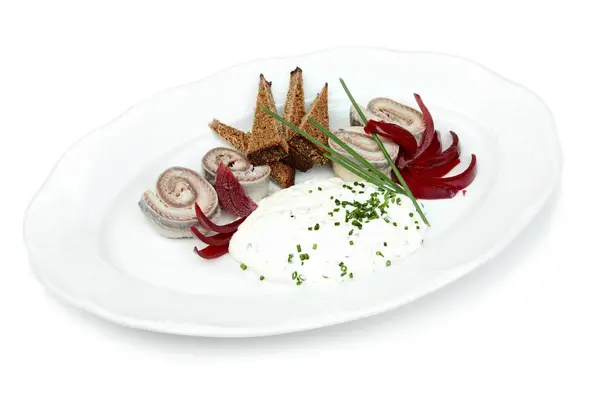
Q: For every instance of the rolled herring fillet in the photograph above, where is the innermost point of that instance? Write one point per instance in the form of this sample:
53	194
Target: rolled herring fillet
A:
363	144
171	208
388	110
254	179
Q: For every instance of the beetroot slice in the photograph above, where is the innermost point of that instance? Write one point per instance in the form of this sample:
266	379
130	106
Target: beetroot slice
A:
211	226
457	182
451	153
399	135
434	148
211	252
231	194
430	192
429	132
433	172
220	239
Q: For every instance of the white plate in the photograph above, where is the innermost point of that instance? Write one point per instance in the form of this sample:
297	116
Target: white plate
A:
90	245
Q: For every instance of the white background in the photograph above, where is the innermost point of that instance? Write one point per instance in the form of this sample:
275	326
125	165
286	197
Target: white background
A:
523	326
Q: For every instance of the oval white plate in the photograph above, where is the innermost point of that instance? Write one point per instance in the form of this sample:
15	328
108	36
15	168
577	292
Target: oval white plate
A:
90	245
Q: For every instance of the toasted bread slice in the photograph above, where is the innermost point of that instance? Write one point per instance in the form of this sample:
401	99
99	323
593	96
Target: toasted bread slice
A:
238	139
282	174
293	111
266	143
298	161
319	111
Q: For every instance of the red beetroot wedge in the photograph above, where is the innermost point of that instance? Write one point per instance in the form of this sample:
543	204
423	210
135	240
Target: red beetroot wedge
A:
232	197
211	226
220	239
211	252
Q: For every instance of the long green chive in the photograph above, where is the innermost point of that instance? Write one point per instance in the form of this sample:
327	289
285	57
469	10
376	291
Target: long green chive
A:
386	154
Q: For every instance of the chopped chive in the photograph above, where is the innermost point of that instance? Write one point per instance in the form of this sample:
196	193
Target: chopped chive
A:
290	256
262	278
352	243
319	188
336	209
418	227
331	198
294	274
395	223
351	232
385	244
351	275
406	228
337	224
314	246
310	191
243	266
330	214
379	253
317	226
411	215
388	263
299	248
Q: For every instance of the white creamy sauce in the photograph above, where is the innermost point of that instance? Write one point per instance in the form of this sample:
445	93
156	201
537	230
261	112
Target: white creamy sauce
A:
276	242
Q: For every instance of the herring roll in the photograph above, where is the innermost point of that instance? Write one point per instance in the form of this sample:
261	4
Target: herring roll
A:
254	179
363	144
388	110
171	207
